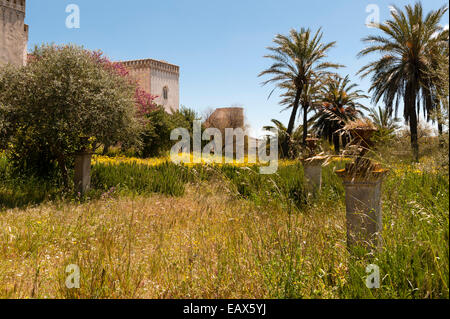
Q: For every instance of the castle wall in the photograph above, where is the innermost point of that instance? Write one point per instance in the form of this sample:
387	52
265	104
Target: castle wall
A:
161	79
156	76
13	32
142	75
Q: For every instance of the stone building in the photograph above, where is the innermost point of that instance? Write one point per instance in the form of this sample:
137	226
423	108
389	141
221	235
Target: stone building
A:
229	118
13	32
155	77
158	78
226	117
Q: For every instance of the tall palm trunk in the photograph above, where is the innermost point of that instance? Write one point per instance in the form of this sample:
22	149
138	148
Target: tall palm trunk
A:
440	128
337	143
305	123
291	125
410	104
414	142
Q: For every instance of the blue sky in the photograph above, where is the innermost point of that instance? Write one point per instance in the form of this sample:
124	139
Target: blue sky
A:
219	45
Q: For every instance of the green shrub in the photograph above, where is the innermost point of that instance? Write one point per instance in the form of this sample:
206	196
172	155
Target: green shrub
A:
156	137
62	98
287	185
166	178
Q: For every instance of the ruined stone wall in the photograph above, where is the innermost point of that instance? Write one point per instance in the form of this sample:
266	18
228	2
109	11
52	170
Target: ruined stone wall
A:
13	32
228	117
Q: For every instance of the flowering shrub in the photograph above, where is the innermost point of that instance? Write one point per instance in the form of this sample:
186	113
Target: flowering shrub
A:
145	102
60	99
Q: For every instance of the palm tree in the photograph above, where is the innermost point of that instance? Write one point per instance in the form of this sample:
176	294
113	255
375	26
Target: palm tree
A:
297	58
281	130
440	92
410	53
309	99
385	123
383	120
339	105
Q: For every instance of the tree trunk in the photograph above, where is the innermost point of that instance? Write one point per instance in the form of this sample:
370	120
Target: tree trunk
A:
440	129
410	109
291	125
344	140
336	143
106	149
413	129
305	123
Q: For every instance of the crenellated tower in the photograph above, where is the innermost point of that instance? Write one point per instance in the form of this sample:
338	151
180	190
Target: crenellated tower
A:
158	78
13	32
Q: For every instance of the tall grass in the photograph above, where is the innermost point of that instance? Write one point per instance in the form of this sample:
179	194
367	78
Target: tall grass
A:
166	178
22	191
224	232
415	260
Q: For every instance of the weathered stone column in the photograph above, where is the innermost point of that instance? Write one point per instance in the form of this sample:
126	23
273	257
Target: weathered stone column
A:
82	177
313	175
312	168
363	208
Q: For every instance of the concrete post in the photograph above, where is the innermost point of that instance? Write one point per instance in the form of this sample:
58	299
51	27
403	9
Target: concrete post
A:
312	168
363	209
82	177
313	176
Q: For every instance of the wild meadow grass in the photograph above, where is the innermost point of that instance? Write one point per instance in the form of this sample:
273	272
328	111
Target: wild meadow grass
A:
167	231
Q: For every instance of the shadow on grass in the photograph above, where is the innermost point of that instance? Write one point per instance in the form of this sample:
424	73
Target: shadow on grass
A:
15	195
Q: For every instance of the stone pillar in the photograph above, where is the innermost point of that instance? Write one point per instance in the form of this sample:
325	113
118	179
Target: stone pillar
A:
313	176
82	177
363	209
312	168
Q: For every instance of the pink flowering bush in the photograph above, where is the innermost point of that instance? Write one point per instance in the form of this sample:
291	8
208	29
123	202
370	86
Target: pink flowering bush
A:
144	101
61	99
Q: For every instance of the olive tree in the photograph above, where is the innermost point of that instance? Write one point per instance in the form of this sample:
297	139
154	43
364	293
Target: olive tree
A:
62	98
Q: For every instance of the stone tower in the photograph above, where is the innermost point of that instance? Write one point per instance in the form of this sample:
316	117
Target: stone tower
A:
13	32
158	78
227	117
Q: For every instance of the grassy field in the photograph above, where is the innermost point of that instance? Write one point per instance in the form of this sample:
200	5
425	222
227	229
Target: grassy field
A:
156	230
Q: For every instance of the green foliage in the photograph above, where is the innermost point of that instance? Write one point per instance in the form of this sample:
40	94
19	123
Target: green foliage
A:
21	190
62	97
386	125
413	49
156	137
3	166
340	105
298	61
166	178
286	187
295	140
